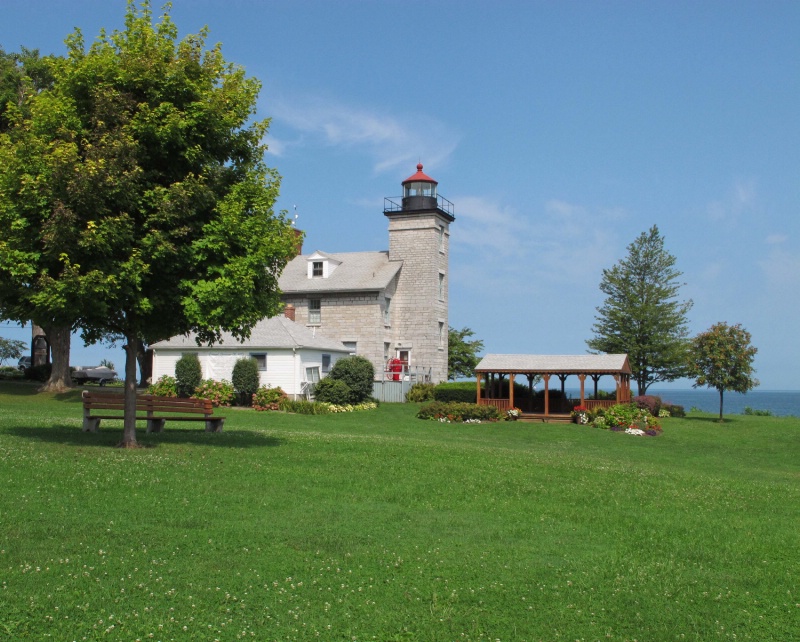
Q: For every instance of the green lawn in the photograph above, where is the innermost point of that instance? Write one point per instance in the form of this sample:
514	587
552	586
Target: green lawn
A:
380	526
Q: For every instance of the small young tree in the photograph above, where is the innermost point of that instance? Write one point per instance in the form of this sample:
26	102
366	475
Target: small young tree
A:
10	349
722	358
462	354
358	373
245	380
188	374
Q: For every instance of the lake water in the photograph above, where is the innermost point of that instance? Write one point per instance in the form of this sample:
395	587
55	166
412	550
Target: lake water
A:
781	403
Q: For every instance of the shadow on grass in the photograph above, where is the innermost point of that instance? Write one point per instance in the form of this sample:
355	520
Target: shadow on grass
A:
110	437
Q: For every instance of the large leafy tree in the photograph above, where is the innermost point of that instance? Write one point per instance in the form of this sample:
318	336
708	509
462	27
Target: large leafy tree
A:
136	194
22	76
462	353
641	315
722	358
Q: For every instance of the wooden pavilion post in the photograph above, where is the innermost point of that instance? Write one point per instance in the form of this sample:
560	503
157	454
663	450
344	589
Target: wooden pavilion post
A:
478	392
546	378
511	389
595	378
582	378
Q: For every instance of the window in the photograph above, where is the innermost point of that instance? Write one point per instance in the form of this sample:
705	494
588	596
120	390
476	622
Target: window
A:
312	374
314	311
316	268
441	286
326	363
351	346
261	360
387	315
441	238
441	335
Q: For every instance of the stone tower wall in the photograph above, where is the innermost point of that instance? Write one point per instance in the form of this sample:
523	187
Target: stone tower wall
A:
419	312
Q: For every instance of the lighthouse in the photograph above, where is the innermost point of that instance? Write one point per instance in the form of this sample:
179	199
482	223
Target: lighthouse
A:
419	236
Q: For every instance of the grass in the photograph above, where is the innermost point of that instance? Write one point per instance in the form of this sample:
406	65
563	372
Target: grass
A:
379	526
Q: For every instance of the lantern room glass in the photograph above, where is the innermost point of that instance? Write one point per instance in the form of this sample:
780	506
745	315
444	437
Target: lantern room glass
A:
419	188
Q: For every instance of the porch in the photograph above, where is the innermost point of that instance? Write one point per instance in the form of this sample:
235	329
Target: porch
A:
551	405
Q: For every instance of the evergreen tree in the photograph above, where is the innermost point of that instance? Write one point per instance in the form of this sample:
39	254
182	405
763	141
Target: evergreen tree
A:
641	315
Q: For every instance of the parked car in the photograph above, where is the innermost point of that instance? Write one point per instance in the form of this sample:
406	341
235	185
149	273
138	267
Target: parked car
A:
100	374
24	362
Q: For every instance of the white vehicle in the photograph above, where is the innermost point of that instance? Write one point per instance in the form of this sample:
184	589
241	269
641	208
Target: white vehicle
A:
100	374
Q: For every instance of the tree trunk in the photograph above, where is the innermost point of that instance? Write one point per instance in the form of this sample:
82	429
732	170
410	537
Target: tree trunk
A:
129	423
60	339
720	404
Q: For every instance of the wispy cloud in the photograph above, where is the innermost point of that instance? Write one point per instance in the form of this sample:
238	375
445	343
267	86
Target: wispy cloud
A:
781	270
741	198
559	244
776	239
393	141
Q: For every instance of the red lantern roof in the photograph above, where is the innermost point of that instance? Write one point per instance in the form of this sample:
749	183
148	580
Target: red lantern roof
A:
419	176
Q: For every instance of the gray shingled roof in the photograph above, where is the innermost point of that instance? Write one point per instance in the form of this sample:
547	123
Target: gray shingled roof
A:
277	332
358	272
554	364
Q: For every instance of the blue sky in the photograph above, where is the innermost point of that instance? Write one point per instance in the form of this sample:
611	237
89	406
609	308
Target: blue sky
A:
560	131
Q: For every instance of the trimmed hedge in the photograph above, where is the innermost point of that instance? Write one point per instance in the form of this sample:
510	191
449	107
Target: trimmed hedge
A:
461	391
458	411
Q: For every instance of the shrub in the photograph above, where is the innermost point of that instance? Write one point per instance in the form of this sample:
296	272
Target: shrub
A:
246	380
268	398
220	393
357	373
9	372
39	373
757	413
462	391
165	386
420	392
188	374
458	411
333	391
649	402
629	416
674	410
302	407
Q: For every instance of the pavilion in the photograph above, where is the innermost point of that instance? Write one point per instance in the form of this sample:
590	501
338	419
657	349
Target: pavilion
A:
494	367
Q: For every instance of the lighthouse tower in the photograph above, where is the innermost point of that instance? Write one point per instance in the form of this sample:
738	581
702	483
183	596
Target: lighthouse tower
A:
419	236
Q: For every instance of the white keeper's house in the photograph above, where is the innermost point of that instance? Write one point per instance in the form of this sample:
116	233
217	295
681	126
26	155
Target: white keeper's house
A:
387	306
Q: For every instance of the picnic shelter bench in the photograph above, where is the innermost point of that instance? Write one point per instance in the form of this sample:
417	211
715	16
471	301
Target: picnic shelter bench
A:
150	408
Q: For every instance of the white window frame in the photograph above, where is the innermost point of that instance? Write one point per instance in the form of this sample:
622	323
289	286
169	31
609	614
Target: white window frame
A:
315	311
259	356
326	357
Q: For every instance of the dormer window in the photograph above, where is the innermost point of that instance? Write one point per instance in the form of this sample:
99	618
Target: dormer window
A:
321	266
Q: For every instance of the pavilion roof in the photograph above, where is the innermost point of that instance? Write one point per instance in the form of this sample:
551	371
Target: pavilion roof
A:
555	364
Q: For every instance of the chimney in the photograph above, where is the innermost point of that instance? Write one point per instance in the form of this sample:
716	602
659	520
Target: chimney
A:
298	240
288	312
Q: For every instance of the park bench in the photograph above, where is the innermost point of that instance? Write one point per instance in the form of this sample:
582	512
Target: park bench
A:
154	410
